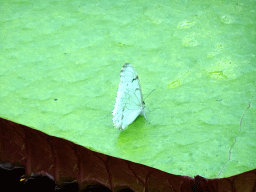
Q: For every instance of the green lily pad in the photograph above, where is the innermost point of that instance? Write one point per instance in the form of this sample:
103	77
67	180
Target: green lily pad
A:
59	72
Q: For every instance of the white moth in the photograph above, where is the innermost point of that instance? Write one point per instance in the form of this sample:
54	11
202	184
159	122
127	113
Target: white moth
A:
129	100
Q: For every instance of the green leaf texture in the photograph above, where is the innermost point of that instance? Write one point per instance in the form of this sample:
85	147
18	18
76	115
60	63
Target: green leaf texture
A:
60	64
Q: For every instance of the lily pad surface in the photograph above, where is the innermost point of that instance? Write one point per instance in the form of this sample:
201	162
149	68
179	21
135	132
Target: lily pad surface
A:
59	73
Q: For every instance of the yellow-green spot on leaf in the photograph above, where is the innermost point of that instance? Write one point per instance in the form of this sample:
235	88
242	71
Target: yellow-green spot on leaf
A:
217	75
174	84
186	24
227	19
189	41
225	67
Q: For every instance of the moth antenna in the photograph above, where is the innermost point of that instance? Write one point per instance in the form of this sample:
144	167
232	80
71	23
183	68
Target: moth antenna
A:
149	94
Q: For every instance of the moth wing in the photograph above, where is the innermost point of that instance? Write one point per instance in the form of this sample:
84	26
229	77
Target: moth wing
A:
129	101
130	117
